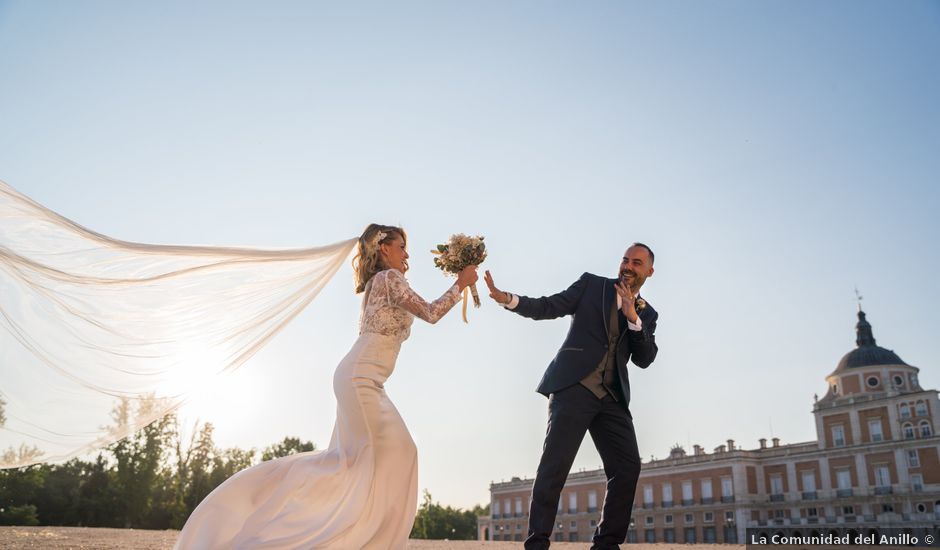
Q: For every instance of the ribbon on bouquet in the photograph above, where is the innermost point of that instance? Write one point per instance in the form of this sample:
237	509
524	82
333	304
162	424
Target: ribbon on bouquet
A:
466	291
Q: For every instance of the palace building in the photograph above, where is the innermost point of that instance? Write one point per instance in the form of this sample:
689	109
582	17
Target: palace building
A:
873	466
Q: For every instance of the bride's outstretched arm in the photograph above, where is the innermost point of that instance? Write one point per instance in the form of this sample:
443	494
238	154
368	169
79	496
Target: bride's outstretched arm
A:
401	295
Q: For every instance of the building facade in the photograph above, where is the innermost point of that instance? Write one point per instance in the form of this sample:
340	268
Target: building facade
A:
875	465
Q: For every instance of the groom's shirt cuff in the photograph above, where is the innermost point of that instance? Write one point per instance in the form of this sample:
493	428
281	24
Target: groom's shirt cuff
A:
513	302
639	322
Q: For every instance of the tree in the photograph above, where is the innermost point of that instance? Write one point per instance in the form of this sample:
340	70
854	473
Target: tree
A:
198	465
57	501
290	445
98	498
19	488
139	457
436	522
19	515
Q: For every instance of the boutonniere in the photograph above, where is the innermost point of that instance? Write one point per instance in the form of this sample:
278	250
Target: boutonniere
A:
640	304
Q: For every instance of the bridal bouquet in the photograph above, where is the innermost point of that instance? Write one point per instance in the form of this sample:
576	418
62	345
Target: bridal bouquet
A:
457	254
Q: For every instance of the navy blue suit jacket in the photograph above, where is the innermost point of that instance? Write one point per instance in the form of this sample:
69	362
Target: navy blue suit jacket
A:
589	301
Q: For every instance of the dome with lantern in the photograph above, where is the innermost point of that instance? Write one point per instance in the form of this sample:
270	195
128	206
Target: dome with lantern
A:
870	369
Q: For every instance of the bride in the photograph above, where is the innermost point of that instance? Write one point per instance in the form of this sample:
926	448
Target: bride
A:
361	492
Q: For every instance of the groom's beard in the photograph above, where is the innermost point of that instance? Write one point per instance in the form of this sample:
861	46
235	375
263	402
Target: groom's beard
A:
633	280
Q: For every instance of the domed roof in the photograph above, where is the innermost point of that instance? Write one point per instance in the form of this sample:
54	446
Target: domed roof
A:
867	354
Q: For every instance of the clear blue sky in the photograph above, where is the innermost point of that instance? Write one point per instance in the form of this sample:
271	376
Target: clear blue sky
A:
773	154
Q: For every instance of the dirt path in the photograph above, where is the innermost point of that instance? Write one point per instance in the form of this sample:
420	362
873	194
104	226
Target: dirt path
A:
86	538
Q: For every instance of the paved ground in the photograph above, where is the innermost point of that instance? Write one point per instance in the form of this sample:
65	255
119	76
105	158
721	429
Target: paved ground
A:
83	538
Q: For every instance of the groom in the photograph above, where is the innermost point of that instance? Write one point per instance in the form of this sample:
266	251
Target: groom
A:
589	390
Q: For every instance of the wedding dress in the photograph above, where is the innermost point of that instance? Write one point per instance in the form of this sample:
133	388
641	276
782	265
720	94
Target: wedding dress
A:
360	492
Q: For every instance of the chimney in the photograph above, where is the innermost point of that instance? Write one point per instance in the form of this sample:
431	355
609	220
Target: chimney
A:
730	444
720	449
763	443
776	441
699	451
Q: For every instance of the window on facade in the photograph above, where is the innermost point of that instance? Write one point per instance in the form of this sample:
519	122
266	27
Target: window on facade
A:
848	510
706	488
776	484
689	518
921	408
506	508
668	519
874	430
593	523
574	524
908	429
667	492
572	503
882	476
729	515
592	500
709	517
779	514
519	506
812	512
921	507
844	479
924	429
686	490
649	520
838	435
913	460
887	508
496	508
917	482
727	488
905	410
872	381
809	482
647	495
835	389
898	382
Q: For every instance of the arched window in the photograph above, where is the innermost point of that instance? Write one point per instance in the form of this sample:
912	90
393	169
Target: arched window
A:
908	429
905	410
924	428
921	408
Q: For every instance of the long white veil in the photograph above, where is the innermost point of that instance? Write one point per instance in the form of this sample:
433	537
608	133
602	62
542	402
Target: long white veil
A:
87	321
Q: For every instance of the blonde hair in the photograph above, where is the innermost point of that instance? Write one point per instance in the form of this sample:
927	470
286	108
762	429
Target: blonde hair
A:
368	260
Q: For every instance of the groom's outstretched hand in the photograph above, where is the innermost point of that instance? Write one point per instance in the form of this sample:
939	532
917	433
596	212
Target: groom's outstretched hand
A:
496	294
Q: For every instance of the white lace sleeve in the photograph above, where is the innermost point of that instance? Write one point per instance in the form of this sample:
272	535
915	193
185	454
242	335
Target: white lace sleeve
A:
401	295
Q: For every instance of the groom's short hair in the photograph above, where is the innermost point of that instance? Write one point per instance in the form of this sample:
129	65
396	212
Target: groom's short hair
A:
648	249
